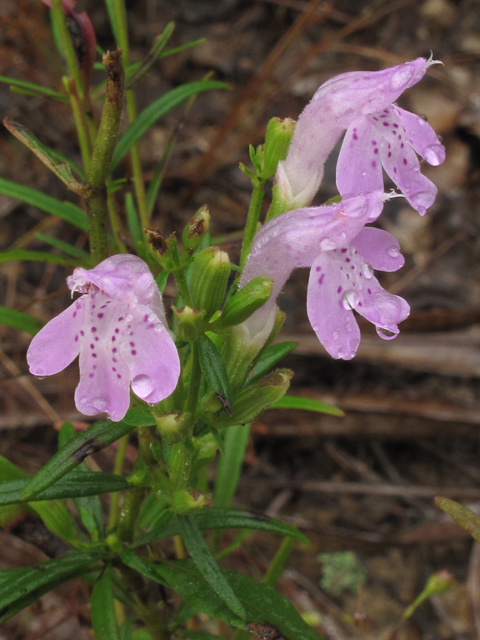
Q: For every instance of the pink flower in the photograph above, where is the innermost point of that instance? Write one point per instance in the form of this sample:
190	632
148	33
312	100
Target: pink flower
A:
118	327
378	132
341	254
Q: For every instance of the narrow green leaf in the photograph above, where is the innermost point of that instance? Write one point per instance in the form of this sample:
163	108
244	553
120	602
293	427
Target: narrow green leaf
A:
156	110
296	402
266	610
75	252
463	516
75	484
114	23
215	372
269	359
64	210
277	565
145	566
154	53
206	564
24	588
104	621
62	170
230	464
133	219
182	47
35	89
186	580
96	437
218	518
139	417
37	256
20	320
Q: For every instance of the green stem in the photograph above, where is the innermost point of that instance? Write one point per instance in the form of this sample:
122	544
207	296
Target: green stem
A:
129	513
252	219
195	380
138	182
146	437
80	122
117	470
68	49
182	286
97	201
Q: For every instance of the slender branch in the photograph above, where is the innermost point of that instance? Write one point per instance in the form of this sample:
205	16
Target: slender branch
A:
97	202
252	218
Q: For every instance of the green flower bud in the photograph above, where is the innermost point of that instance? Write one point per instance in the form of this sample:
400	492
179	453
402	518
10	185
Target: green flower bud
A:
173	427
206	450
164	250
189	324
245	302
210	271
277	140
195	230
249	403
188	500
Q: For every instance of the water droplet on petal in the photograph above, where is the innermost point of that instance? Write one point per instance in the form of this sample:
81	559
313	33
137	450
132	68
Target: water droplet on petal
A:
315	327
385	334
367	271
350	299
100	404
327	245
335	335
39	371
142	386
434	154
393	251
343	236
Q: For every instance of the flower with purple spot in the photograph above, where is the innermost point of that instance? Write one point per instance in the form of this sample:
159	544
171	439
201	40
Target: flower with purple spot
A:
378	133
341	253
119	329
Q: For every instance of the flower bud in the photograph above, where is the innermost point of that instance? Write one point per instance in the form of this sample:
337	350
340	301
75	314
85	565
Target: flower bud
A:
173	427
189	324
206	450
277	141
188	500
164	249
244	303
210	271
256	397
195	230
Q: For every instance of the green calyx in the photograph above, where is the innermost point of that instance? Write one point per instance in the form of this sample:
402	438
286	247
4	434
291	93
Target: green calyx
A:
209	278
244	303
195	230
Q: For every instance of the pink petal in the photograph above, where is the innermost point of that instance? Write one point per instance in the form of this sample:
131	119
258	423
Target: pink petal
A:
58	343
403	167
332	321
359	169
382	309
104	385
421	136
379	249
151	356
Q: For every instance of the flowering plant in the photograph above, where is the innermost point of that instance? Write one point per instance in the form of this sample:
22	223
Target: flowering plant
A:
200	379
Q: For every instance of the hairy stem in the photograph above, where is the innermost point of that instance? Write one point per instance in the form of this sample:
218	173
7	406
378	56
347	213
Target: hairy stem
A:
97	201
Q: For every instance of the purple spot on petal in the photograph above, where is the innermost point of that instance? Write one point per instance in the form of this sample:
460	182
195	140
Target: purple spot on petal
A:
119	376
114	359
120	319
94	355
401	146
375	150
369	292
94	366
348	277
344	250
385	124
99	315
92	346
347	260
396	126
374	142
355	137
96	338
132	344
93	329
404	161
74	314
374	164
114	350
359	304
76	338
150	326
320	280
339	290
394	169
114	369
90	375
82	333
389	154
318	269
145	318
117	330
133	352
113	338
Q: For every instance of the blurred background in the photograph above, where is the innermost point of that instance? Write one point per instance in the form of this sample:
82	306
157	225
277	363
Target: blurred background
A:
365	482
